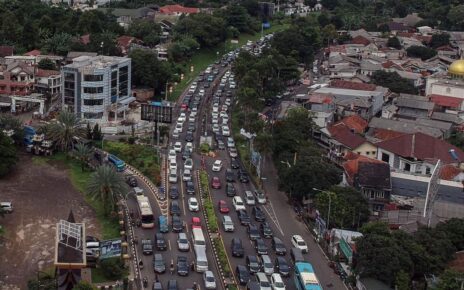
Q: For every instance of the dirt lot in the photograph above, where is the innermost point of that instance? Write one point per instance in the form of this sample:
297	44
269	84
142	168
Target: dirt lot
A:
42	195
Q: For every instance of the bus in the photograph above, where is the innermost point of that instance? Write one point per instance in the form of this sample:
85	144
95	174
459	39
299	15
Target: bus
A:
145	212
305	278
118	163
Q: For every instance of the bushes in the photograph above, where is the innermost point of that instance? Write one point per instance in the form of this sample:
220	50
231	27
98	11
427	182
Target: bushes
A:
211	215
222	256
204	183
204	148
112	268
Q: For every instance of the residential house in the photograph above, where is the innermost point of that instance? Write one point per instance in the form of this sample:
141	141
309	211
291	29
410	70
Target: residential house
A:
178	10
74	54
433	128
48	82
416	79
409	20
322	109
16	78
396	27
371	177
413	107
368	67
124	43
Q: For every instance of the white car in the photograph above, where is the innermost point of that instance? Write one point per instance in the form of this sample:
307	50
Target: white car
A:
233	152
224	108
238	203
175	134
214	115
230	142
210	281
298	242
225	131
227	102
222	114
189	146
172	164
172	154
228	224
277	282
215	128
179	127
178	147
215	120
201	92
182	242
188	164
268	266
217	166
225	120
193	204
263	282
194	112
182	118
191	118
232	85
172	176
187	176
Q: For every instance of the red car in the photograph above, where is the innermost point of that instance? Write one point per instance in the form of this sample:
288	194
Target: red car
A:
223	208
196	223
215	183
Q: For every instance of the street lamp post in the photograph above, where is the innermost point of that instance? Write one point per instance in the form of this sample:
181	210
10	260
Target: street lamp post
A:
330	203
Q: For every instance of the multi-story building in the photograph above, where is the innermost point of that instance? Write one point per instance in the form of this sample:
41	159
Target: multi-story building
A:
16	78
97	88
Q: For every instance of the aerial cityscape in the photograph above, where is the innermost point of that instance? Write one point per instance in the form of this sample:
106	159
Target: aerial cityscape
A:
240	145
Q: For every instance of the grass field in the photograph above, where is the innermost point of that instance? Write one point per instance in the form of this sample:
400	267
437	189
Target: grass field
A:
205	57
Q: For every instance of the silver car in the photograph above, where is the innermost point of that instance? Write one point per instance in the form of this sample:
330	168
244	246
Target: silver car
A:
183	243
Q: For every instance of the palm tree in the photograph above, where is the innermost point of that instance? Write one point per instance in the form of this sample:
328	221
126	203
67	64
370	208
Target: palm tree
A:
83	154
107	185
64	129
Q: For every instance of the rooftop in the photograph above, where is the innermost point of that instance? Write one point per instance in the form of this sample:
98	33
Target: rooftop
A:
411	126
174	9
342	134
348	92
446	101
342	84
355	123
367	172
96	62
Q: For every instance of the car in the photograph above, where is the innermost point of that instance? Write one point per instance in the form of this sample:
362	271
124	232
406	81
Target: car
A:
223	207
163	224
266	230
228	224
182	242
157	285
188	164
242	274
268	267
182	117
187	176
193	205
230	189
282	266
172	285
217	166
177	224
233	152
253	232
172	176
194	112
174	208
230	175
221	145
234	163
160	242
232	85
182	266
230	142
172	164
173	192
215	182
215	128
237	247
226	132
189	135
278	246
159	266
260	197
192	118
215	120
178	147
147	246
210	281
172	154
186	154
238	203
224	108
253	285
298	242
253	264
196	222
264	283
258	213
131	181
277	282
243	217
243	176
260	247
249	198
179	127
190	187
189	146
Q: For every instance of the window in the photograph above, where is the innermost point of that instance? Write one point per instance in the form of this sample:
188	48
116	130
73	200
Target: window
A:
93	115
93	90
448	90
407	167
368	153
385	157
427	170
93	78
374	152
96	102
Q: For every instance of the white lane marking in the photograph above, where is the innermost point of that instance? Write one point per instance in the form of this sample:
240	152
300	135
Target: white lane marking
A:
169	244
273	216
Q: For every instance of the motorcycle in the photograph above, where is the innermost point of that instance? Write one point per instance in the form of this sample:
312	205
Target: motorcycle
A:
141	265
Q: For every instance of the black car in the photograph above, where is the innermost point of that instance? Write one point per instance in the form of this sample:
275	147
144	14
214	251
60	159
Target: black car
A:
253	264
160	242
278	246
253	232
243	217
173	192
172	285
242	274
282	266
177	224
230	175
260	247
189	136
253	285
182	266
159	265
191	128
243	176
266	230
147	247
234	163
221	145
174	208
258	213
230	189
190	187
132	181
237	248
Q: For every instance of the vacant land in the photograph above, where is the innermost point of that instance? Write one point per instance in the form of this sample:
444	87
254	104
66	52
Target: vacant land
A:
42	194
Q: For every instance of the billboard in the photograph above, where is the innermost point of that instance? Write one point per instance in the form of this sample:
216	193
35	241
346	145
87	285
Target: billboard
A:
157	112
110	249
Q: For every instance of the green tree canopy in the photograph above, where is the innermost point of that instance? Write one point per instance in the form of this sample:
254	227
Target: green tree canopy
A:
47	64
147	31
421	51
393	81
394	42
450	280
439	39
8	154
208	30
64	129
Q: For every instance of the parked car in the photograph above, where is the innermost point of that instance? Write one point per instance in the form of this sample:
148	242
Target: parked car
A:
237	248
215	182
298	242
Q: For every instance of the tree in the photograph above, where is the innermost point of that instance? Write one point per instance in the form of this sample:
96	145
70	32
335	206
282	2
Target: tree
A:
394	42
454	230
11	29
183	49
112	268
107	186
393	81
421	51
402	281
64	129
8	154
329	4
450	280
456	17
145	30
83	153
237	16
439	39
88	132
97	133
46	64
9	122
208	30
104	43
329	34
59	43
82	285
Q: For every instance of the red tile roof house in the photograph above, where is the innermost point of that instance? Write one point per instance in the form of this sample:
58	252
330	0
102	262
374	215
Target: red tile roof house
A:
371	177
124	43
178	10
17	78
416	153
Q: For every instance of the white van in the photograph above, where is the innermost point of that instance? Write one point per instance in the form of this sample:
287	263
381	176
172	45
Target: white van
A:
201	260
198	238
